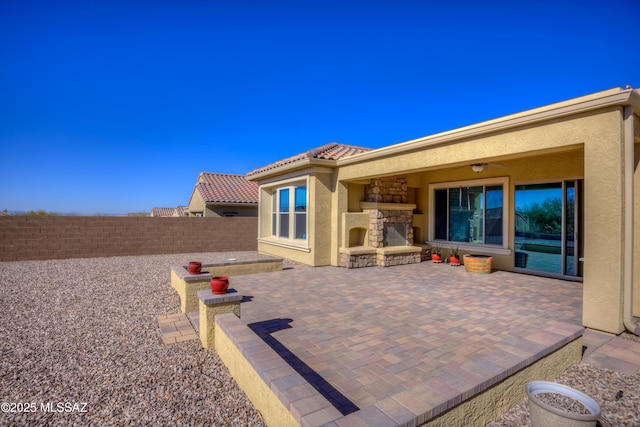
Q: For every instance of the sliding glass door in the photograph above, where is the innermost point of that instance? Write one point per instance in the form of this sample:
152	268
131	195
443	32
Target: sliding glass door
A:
547	228
571	259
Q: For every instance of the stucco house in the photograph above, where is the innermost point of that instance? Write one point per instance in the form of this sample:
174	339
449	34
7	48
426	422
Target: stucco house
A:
162	212
550	191
178	211
223	194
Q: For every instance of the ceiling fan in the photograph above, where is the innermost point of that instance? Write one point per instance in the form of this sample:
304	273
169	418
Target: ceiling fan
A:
479	167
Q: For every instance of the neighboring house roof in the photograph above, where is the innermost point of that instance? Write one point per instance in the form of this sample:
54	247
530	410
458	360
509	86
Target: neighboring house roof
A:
180	211
331	151
162	211
226	188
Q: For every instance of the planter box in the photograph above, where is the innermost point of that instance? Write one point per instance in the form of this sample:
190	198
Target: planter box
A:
188	285
545	415
474	263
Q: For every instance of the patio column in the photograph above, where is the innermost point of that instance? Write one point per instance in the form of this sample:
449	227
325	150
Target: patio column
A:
604	225
636	229
210	306
339	205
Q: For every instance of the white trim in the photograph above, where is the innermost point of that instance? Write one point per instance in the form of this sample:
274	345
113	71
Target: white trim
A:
506	191
290	184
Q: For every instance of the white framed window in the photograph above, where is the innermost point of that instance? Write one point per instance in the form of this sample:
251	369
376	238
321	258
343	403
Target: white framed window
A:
470	212
289	212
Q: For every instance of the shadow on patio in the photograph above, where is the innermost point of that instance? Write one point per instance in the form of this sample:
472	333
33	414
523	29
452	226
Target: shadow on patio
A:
407	344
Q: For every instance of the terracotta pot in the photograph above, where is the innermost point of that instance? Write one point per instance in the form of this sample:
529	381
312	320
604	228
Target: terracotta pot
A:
454	260
436	258
219	284
195	267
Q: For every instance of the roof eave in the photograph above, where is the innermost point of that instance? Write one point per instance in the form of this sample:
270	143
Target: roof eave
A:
291	167
235	204
573	106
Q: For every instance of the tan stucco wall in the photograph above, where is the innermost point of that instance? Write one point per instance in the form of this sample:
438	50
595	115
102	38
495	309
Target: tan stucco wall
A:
265	204
221	210
488	406
321	186
273	412
636	225
356	195
207	319
603	223
196	203
559	135
319	219
341	205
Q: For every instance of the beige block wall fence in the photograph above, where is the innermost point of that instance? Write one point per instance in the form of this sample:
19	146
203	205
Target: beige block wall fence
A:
33	238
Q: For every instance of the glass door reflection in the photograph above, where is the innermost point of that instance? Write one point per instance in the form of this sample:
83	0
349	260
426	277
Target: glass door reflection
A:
547	228
538	238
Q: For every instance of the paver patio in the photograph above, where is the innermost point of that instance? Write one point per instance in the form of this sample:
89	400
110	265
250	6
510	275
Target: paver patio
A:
407	336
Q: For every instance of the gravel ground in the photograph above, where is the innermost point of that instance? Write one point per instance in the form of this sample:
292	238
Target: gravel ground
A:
617	394
80	345
80	337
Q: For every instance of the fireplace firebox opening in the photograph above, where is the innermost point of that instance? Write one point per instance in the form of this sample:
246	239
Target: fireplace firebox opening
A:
394	234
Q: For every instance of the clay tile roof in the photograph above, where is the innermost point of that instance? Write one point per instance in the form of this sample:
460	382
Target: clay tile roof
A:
162	211
226	188
331	151
180	210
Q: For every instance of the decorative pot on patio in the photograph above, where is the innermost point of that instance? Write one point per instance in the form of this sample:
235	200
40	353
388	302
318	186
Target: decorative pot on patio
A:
454	258
556	405
195	267
219	284
474	263
436	253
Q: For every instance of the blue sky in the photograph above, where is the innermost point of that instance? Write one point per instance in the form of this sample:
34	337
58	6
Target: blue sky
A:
115	107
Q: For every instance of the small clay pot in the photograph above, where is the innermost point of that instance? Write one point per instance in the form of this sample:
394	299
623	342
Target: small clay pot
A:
195	267
454	260
436	258
219	284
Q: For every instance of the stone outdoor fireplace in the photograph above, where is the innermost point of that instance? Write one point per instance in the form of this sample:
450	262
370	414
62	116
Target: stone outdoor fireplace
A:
389	226
390	216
